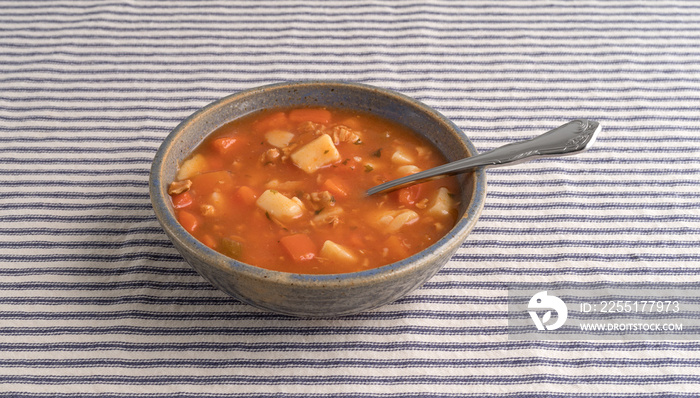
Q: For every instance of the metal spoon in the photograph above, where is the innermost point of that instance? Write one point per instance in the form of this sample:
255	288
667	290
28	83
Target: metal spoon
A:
569	139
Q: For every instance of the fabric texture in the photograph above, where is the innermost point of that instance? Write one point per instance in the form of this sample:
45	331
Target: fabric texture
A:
95	300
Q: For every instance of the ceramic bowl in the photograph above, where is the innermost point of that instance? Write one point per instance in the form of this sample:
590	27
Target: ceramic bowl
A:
308	295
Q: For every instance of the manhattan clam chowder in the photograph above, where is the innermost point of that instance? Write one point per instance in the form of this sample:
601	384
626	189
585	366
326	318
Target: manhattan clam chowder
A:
285	190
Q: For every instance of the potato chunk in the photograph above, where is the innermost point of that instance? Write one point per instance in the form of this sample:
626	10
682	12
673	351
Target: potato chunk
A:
192	166
408	170
442	204
402	156
335	252
279	138
316	154
279	206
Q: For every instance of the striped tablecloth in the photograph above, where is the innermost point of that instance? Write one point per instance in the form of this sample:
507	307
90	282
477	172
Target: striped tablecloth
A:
94	299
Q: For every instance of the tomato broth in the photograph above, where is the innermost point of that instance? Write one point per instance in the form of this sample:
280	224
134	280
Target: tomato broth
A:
285	190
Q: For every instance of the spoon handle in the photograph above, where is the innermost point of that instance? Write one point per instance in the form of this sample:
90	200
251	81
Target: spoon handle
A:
568	139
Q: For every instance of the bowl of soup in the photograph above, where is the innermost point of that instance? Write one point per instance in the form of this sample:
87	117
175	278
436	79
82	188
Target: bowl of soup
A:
263	193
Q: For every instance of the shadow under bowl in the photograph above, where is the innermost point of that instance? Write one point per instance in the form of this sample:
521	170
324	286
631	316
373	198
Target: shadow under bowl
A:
310	295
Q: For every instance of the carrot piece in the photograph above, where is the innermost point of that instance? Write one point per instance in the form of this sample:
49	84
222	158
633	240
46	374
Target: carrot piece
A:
316	115
225	145
188	221
181	200
246	195
276	120
408	196
336	187
299	246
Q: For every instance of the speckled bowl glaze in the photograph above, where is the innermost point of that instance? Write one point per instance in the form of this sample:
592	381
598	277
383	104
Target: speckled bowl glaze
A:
316	295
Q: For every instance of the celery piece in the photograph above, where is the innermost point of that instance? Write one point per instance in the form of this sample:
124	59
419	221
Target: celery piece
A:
231	248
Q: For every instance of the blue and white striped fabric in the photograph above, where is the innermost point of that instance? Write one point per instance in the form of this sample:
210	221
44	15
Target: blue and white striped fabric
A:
95	300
